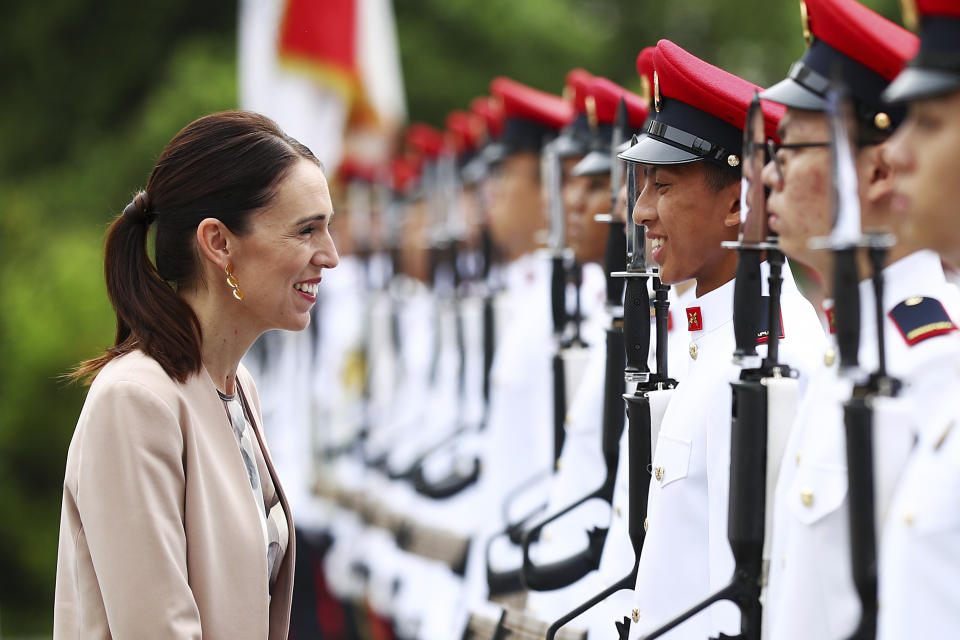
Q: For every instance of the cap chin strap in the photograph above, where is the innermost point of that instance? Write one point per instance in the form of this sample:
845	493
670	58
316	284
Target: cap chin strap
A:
687	141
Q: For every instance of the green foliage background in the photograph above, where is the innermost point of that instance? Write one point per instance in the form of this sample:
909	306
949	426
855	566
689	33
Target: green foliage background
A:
92	93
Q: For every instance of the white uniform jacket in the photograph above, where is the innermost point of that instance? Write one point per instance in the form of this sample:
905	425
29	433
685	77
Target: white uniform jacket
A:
811	592
686	554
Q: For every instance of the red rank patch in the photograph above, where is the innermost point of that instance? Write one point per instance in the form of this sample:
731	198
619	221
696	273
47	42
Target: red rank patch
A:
694	319
830	321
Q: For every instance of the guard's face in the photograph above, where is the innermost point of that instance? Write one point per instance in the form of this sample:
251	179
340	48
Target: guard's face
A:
515	203
279	263
924	154
686	223
586	197
799	205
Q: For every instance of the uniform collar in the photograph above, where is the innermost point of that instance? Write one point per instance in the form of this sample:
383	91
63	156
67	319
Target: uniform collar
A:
909	276
716	308
711	310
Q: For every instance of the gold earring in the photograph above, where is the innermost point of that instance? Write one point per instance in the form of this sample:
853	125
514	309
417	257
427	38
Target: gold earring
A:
233	282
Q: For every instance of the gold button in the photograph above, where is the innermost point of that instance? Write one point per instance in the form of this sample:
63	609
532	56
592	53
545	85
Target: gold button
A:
568	420
908	518
635	615
799	457
829	357
806	497
617	511
547	536
658	472
694	350
558	465
646	524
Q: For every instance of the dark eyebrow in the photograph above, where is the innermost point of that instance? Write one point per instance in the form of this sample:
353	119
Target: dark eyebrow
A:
317	218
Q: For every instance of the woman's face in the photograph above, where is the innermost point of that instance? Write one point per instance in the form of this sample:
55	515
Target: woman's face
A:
280	262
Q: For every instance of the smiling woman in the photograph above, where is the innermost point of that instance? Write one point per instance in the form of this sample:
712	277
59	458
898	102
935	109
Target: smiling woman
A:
173	521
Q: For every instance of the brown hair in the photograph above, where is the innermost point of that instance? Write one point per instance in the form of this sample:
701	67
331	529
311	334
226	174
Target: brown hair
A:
225	166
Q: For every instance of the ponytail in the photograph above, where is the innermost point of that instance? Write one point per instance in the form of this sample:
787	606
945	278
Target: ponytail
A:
150	315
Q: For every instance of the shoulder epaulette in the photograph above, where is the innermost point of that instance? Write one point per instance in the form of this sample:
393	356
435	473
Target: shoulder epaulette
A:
920	318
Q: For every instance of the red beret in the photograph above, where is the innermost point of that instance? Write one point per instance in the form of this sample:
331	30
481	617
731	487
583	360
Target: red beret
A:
425	140
521	101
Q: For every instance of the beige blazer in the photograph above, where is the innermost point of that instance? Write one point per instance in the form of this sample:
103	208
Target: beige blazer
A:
159	534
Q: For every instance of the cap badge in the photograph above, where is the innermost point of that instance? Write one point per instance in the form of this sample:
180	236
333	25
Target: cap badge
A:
908	8
568	93
882	121
656	92
591	105
645	91
733	160
805	23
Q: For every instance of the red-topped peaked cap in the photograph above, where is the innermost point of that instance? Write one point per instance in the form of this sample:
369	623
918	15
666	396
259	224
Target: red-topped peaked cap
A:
355	169
577	135
935	70
576	88
404	173
603	103
645	71
531	116
861	47
699	112
465	131
425	140
491	110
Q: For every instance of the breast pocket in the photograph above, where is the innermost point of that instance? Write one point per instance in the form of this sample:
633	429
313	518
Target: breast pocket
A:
933	506
816	492
672	461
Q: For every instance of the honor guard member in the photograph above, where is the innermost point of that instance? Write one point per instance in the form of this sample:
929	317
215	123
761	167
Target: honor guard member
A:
618	555
690	203
581	467
811	591
920	549
519	431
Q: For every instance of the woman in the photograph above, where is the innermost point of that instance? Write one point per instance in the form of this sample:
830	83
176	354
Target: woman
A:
173	523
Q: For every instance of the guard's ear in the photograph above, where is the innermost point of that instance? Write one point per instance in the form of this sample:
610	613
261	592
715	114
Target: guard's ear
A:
731	196
214	241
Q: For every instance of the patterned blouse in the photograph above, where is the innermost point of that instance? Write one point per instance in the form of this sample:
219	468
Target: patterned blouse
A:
273	521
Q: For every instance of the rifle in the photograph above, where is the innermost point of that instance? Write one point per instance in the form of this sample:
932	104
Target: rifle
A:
755	445
845	240
568	570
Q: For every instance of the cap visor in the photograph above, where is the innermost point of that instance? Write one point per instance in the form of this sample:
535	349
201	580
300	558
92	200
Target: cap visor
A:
914	83
494	153
594	163
623	146
792	94
474	170
651	150
565	145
